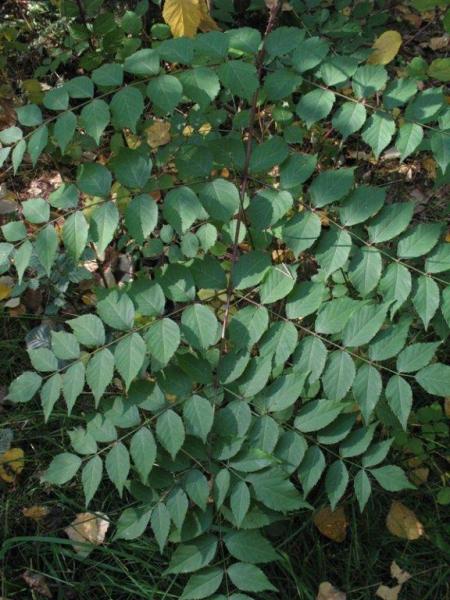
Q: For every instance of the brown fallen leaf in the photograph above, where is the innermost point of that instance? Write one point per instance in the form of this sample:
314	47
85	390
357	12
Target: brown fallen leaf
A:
447	405
332	523
35	512
403	523
87	528
387	593
327	591
158	134
420	475
398	573
437	43
11	464
37	583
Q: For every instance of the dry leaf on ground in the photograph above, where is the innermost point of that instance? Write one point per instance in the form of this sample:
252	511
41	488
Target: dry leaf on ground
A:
387	593
87	528
35	512
398	573
11	464
327	591
385	48
332	524
403	523
158	134
37	583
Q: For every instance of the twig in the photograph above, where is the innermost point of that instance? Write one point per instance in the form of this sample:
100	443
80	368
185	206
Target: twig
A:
259	64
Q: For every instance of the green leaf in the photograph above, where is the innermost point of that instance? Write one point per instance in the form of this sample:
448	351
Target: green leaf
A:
220	198
95	118
392	478
177	505
104	222
439	260
4	153
203	585
162	339
50	393
416	356
62	469
339	375
419	240
330	186
160	522
29	115
376	453
91	477
366	388
435	379
127	106
24	387
363	488
143	452
147	296
75	234
239	77
440	69
240	501
197	488
311	468
198	416
141	217
336	481
365	270
357	442
247	326
22	257
43	360
250	269
390	222
310	53
46	247
65	345
281	83
170	432
368	80
278	282
301	231
116	310
193	556
398	92
305	299
94	179
333	250
37	143
132	168
201	85
364	323
440	146
165	92
249	578
250	547
117	465
36	210
317	414
80	87
129	356
199	326
334	315
181	208
426	299
310	356
315	106
17	155
108	75
349	118
409	138
143	62
425	106
395	285
378	132
275	491
88	330
132	523
296	170
268	154
399	397
99	373
73	384
364	202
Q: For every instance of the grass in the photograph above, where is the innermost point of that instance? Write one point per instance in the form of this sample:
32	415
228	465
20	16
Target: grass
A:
126	570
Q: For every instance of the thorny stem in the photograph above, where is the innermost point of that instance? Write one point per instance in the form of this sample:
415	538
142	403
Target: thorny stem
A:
259	64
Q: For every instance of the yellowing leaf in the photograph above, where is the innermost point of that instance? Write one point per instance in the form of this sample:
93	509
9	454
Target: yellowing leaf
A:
11	464
87	528
207	23
332	523
5	291
35	512
403	523
158	134
385	48
327	591
182	16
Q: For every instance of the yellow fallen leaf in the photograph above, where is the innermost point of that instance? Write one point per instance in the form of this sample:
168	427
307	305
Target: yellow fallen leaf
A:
87	528
11	464
398	573
387	593
35	512
5	291
158	134
332	523
327	591
385	48
403	523
182	16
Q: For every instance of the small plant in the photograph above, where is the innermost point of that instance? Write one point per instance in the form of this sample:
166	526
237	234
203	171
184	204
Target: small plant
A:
284	311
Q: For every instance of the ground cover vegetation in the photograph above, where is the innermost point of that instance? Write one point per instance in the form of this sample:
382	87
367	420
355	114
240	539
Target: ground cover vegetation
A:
224	264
